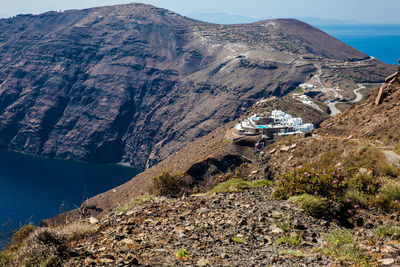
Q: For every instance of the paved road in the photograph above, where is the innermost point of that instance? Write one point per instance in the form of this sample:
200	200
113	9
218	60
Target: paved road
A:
359	97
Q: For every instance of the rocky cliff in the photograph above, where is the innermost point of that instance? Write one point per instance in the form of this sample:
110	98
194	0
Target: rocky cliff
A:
135	83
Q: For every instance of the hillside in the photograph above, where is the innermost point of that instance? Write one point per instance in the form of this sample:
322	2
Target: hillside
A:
135	83
329	199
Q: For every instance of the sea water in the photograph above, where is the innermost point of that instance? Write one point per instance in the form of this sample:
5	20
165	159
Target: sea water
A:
34	188
380	41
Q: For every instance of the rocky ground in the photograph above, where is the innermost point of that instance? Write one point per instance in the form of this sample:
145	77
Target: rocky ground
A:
152	233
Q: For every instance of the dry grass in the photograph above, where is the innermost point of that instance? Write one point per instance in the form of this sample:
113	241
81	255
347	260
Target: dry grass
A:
46	246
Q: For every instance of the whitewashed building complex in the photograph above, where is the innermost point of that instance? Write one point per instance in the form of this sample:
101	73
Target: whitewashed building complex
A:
277	123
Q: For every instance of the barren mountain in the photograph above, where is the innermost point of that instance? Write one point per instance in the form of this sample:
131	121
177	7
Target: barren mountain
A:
135	83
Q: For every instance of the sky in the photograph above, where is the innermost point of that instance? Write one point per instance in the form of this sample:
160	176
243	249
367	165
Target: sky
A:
364	11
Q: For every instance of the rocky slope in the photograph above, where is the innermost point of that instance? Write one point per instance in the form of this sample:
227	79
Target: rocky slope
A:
135	83
152	233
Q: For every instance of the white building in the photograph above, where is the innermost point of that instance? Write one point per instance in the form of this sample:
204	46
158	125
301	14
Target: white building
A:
306	86
277	123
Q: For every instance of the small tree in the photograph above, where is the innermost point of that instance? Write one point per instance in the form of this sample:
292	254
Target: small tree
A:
168	184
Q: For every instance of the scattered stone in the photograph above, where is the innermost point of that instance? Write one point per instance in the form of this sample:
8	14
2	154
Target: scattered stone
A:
365	171
272	151
387	261
277	230
203	262
285	148
93	220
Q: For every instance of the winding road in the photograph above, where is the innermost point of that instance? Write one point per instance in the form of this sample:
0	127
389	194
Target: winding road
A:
359	96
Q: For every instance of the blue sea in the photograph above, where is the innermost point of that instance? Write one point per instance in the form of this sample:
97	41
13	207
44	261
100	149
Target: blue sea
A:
380	41
34	188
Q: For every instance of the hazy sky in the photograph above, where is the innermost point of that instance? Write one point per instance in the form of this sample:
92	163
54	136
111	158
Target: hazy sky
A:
367	11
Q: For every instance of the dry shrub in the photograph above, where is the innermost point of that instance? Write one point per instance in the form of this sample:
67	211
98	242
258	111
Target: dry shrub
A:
168	184
330	183
388	197
50	245
370	158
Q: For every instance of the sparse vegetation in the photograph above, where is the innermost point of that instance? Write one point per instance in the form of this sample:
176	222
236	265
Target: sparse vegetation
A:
329	183
6	258
387	230
238	173
293	239
234	185
182	254
299	90
293	253
43	246
135	202
314	205
388	196
237	239
259	183
168	184
369	158
341	245
397	148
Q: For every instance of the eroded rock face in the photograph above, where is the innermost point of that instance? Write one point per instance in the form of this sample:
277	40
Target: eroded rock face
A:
135	83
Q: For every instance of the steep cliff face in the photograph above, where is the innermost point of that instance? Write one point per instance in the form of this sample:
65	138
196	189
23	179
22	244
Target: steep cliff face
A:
135	83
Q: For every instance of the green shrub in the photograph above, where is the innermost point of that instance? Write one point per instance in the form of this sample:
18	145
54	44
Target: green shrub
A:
168	184
232	185
315	206
235	185
299	90
292	240
236	174
360	199
237	239
387	230
260	183
330	183
341	245
388	196
364	183
182	254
